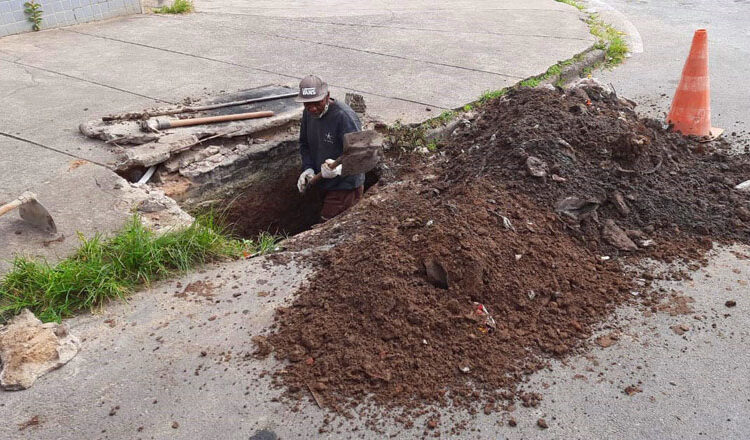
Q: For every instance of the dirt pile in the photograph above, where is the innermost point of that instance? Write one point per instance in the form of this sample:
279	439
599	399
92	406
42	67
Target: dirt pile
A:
452	284
586	155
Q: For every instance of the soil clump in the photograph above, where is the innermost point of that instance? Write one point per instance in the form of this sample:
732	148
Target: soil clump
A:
450	284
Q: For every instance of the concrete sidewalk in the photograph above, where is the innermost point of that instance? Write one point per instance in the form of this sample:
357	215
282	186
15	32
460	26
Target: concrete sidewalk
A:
410	61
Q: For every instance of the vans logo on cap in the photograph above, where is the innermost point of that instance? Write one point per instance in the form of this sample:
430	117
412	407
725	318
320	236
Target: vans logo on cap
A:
309	91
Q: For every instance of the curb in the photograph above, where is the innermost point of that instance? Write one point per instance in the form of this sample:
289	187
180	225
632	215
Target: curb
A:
588	59
583	60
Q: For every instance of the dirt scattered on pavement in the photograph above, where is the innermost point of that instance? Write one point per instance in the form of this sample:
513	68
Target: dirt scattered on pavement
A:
453	282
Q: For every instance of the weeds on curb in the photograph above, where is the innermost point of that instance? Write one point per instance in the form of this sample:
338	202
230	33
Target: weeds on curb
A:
178	7
34	11
573	3
609	38
106	269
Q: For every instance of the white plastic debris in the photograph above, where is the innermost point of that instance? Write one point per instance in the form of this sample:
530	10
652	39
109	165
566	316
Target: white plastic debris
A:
424	341
464	370
430	223
531	294
605	258
744	186
518	256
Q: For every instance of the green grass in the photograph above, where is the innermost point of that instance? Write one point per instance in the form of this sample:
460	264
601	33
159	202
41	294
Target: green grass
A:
609	39
531	82
102	270
573	3
491	95
178	7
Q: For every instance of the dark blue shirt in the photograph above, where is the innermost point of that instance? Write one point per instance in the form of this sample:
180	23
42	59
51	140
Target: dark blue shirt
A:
321	139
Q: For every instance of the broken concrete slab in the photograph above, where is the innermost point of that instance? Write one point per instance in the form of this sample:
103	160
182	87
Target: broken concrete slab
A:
30	349
131	132
156	152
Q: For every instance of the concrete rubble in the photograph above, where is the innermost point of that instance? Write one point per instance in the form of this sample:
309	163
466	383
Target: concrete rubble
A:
30	349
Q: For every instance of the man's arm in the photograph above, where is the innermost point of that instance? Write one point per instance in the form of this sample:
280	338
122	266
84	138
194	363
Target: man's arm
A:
304	147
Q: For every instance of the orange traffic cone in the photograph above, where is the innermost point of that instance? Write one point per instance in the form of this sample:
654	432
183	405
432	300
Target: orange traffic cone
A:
691	107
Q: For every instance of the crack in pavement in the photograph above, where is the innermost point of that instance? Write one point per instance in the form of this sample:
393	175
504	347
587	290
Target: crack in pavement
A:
372	52
499	34
47	147
55	72
229	63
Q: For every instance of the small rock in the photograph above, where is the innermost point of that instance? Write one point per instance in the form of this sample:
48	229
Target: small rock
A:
175	425
615	236
680	329
730	303
743	213
536	166
432	423
436	274
618	199
512	422
542	424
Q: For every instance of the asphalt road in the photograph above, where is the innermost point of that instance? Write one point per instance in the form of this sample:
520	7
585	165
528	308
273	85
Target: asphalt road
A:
660	33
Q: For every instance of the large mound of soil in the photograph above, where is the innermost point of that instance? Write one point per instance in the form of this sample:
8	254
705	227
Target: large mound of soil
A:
453	283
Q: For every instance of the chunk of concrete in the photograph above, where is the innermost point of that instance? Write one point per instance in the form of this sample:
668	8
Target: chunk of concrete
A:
30	349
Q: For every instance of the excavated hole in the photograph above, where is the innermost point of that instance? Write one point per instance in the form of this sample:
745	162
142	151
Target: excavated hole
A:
256	193
276	206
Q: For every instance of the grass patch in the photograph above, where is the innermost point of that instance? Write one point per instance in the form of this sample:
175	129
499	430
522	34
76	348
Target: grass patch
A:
178	7
573	3
491	96
609	39
105	269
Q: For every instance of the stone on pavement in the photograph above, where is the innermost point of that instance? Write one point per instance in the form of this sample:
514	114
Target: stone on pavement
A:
30	349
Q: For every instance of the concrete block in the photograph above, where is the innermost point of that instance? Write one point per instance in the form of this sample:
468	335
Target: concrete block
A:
5	8
6	19
19	16
57	7
3	31
67	5
49	22
70	17
104	7
86	13
61	19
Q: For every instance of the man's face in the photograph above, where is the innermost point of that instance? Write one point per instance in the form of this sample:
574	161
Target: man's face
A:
317	107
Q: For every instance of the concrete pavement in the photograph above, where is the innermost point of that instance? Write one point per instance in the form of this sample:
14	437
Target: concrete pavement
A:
143	361
410	61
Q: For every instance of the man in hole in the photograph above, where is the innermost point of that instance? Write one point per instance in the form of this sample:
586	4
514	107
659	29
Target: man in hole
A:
325	121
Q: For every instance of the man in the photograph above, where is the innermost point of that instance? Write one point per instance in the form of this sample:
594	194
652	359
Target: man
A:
321	141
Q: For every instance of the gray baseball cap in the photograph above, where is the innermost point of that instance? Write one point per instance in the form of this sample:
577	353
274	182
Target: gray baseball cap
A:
311	89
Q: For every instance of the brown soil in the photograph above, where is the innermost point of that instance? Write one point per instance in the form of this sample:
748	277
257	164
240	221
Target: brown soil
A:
273	206
394	312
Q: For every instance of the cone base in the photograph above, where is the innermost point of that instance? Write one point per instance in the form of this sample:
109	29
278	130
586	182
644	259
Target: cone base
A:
713	134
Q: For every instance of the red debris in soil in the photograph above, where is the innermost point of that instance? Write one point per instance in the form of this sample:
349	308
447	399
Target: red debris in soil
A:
391	313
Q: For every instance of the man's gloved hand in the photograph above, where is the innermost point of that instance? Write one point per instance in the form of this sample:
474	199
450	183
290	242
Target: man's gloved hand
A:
304	178
327	172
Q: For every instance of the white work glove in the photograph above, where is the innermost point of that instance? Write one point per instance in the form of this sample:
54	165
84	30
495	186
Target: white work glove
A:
327	172
304	178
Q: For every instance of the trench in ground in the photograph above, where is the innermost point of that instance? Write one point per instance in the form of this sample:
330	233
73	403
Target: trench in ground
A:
255	194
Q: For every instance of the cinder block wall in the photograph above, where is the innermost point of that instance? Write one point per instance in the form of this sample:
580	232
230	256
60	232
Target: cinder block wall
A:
57	13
